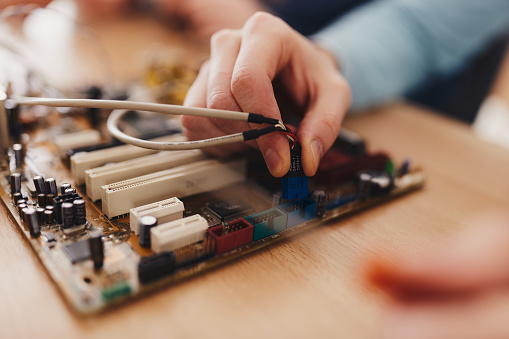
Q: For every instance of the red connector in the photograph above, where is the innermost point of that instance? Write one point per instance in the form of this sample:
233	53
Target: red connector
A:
238	233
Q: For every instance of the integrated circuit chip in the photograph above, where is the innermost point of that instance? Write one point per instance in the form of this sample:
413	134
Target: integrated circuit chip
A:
228	210
78	251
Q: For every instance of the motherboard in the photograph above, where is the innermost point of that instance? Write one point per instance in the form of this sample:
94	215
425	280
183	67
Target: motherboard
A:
111	222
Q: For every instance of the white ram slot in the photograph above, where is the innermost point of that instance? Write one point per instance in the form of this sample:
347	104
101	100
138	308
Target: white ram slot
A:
178	233
81	162
182	181
165	211
100	176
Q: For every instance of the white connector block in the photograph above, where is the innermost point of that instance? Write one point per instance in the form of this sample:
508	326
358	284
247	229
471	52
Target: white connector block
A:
81	162
100	176
178	233
69	141
199	177
164	211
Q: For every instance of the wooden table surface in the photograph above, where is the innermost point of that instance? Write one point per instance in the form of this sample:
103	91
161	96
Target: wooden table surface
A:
309	286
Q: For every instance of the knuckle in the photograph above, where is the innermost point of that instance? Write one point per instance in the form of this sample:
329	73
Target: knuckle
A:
242	80
223	36
220	99
261	19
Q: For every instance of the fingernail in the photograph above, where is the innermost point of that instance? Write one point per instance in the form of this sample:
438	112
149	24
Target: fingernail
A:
317	149
273	161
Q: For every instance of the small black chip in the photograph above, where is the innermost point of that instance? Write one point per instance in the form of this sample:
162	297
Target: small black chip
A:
50	237
78	251
228	210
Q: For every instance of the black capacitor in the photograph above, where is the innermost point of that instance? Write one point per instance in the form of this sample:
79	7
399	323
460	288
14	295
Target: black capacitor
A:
15	183
40	214
20	211
96	247
17	197
146	223
49	199
64	186
51	186
364	185
18	155
80	213
41	199
33	221
21	201
39	184
49	218
50	207
70	190
67	215
321	202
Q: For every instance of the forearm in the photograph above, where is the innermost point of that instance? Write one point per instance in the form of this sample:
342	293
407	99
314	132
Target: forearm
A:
389	48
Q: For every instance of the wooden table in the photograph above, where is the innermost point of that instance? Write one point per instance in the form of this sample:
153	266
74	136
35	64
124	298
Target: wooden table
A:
309	286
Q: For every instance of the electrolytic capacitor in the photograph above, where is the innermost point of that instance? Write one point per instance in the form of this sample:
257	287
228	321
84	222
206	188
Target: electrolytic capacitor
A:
70	190
321	202
51	186
21	201
67	215
80	213
146	223
96	247
17	197
49	199
40	214
18	155
20	211
33	222
39	185
15	183
49	218
64	186
41	199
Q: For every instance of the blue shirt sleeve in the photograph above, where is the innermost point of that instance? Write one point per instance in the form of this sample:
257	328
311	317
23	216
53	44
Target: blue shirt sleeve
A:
387	48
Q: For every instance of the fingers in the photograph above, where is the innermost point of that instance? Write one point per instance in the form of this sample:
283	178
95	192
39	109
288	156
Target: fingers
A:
197	128
484	316
320	126
252	78
242	68
475	262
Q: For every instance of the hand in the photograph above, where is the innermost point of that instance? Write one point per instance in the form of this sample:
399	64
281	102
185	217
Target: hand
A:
7	3
206	17
239	76
460	292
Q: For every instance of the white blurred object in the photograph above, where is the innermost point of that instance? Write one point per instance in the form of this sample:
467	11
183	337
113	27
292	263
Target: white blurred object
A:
492	121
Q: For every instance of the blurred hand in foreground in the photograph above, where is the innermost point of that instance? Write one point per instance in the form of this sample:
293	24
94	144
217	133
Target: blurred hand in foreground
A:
461	292
239	76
